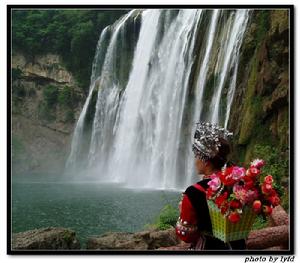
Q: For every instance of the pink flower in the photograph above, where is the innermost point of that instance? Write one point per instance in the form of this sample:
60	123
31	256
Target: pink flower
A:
238	172
240	193
215	182
257	163
251	196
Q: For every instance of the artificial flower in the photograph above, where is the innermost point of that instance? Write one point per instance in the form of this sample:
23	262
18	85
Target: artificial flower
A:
238	172
221	199
251	195
257	163
253	172
266	189
226	177
257	206
214	183
235	204
268	179
235	188
274	200
234	217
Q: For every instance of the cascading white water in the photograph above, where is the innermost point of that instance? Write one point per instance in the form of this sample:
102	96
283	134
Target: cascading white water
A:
141	133
232	42
78	132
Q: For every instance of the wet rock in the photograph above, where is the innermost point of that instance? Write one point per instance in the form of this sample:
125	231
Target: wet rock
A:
45	239
144	240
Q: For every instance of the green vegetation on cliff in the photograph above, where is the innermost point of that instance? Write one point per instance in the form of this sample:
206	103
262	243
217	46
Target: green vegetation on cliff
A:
73	34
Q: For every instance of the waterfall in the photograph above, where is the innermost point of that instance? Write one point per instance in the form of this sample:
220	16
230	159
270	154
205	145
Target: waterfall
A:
149	99
232	43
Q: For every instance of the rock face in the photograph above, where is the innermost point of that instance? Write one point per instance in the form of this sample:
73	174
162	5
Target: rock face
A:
48	67
45	104
260	105
134	241
45	239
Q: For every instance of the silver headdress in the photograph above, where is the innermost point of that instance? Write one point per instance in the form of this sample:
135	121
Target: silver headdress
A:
207	140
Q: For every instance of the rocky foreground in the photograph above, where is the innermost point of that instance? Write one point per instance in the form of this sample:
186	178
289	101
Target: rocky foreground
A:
273	237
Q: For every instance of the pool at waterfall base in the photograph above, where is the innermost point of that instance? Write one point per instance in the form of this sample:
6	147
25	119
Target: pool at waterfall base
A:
88	208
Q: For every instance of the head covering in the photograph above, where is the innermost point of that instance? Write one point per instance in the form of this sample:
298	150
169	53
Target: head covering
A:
207	140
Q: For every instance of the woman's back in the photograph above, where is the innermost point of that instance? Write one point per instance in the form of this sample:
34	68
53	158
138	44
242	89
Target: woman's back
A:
194	224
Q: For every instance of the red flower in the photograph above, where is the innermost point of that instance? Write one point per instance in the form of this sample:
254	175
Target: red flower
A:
266	189
249	184
234	217
267	210
256	206
235	204
268	179
224	207
274	200
252	172
221	199
209	193
226	177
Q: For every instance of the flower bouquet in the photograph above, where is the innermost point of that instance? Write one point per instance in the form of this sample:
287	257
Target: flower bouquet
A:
235	196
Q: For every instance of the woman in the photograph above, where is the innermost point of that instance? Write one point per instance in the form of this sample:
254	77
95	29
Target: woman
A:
211	150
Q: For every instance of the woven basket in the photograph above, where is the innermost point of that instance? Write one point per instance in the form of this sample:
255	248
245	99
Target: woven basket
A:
226	231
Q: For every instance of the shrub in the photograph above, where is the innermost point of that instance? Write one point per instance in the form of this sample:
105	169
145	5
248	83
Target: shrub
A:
166	218
65	97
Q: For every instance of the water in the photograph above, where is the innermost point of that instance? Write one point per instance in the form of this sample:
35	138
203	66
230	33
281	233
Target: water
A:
88	208
181	69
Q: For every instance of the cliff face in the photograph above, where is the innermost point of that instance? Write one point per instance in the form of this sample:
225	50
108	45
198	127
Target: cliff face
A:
260	106
45	104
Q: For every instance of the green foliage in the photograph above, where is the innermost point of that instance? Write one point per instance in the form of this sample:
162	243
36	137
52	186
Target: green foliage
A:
259	223
65	97
252	106
50	94
166	218
263	25
73	34
276	163
16	73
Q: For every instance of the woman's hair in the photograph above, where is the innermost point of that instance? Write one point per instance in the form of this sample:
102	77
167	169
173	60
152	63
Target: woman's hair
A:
221	158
